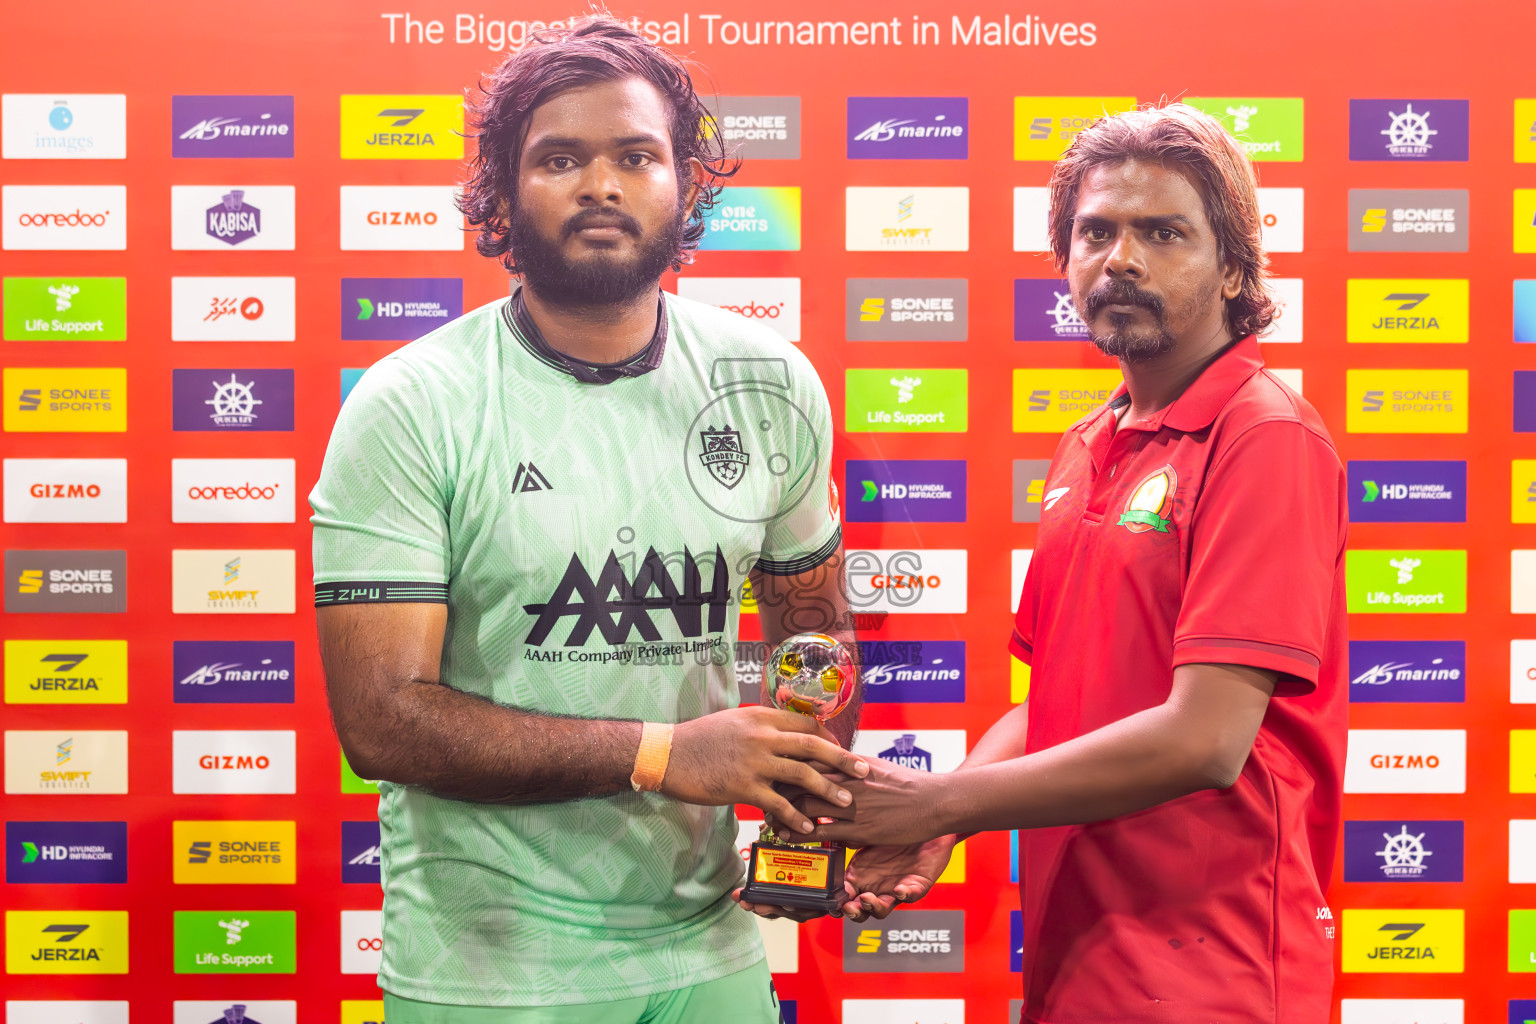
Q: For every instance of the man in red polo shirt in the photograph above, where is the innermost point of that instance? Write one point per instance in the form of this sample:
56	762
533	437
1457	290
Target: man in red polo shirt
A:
1177	771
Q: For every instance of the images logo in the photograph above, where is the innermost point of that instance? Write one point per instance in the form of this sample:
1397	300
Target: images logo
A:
232	217
917	940
755	219
928	580
54	217
66	762
759	127
1266	127
232	582
1407	492
243	942
395	218
1044	126
1407	671
232	490
233	852
66	852
906	309
1406	401
908	128
884	401
1433	130
66	942
402	127
233	309
930	219
910	491
66	490
232	126
1406	761
66	308
1409	310
360	857
66	671
1406	581
1399	851
914	672
1413	941
65	581
771	301
1407	220
50	126
1043	311
232	761
233	671
228	399
1050	401
398	308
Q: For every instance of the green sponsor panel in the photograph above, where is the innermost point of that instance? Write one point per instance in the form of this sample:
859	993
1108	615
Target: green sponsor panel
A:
66	308
1522	941
903	401
351	782
236	942
1267	128
1395	581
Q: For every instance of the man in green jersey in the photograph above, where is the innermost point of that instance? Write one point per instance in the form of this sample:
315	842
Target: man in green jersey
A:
531	533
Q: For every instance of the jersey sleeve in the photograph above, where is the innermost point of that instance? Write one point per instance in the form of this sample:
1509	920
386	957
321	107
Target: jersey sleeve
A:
381	504
1021	642
807	528
1267	537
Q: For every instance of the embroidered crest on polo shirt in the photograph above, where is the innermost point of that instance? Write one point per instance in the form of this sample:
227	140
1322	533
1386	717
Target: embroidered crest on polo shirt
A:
1151	502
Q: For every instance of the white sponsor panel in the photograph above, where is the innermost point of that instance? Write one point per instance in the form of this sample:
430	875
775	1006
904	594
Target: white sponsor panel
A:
225	218
927	219
66	490
64	126
232	309
1401	1011
781	938
1031	212
941	750
66	761
903	1011
202	1011
1291	378
1522	582
1280	214
1019	559
1287	293
1406	761
232	761
362	941
923	581
232	491
90	217
232	581
74	1011
1522	852
1522	671
394	218
770	301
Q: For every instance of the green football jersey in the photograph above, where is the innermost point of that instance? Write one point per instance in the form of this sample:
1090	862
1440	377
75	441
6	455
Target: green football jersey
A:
590	542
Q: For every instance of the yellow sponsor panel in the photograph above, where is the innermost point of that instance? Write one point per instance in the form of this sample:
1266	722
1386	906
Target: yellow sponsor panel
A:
1044	126
954	871
1522	760
66	942
1522	491
1525	131
362	1011
1018	680
1409	310
1406	401
1050	401
66	671
233	852
1525	220
66	399
402	127
1404	941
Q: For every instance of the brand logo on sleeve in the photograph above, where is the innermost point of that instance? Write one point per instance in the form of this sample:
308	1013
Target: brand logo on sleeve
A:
66	852
66	308
908	128
884	401
230	217
1406	401
52	126
1407	492
755	218
1406	761
57	761
1043	311
235	942
1407	671
906	309
232	761
913	672
360	856
66	942
916	940
931	219
402	127
1409	941
1407	220
1406	581
906	490
1050	401
1044	126
233	671
1267	128
1408	310
759	127
1410	130
66	671
232	127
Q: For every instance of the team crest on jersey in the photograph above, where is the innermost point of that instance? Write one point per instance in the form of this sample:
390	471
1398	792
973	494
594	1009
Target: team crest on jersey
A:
723	455
1151	503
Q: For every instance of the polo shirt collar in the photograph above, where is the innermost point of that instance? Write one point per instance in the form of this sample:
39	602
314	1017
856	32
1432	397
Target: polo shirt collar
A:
1197	407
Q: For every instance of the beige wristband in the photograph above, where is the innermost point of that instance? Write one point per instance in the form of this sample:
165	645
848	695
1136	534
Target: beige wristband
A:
651	758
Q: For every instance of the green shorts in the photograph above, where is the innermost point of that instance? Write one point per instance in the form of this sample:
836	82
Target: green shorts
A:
746	997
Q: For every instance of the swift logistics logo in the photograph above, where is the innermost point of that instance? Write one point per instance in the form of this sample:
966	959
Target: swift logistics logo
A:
907	219
908	128
232	127
402	127
905	490
1044	126
1050	401
66	490
58	582
398	308
913	671
758	127
232	490
1043	311
1399	581
1406	761
1403	401
1407	671
917	581
232	581
223	218
233	309
57	217
1268	128
233	671
400	218
900	400
235	942
906	309
755	219
66	761
1403	851
1419	491
1407	941
66	308
1408	130
66	399
360	856
230	399
773	302
66	942
59	126
66	852
931	941
1408	220
1408	310
233	852
233	761
66	671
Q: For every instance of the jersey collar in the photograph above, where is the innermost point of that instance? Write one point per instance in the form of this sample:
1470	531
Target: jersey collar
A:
1197	407
520	322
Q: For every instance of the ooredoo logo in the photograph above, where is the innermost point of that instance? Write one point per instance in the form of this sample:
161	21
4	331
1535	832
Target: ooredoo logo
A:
232	490
65	216
400	217
771	301
232	761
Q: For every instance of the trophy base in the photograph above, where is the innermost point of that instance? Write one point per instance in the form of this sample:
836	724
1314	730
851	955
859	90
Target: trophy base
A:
807	877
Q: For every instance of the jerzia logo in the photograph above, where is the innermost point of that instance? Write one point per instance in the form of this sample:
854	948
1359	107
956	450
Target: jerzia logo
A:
528	479
723	455
1150	505
617	607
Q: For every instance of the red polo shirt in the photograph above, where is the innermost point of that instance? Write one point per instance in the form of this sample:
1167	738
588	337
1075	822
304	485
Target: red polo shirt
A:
1212	532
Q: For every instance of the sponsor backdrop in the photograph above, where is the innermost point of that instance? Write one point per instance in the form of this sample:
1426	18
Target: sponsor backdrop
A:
201	256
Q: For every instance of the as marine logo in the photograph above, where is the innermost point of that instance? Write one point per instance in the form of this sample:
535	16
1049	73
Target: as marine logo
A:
1151	503
723	455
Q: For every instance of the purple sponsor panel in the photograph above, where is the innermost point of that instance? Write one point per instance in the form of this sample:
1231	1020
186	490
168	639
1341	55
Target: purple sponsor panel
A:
1411	130
233	671
232	126
1407	491
913	671
231	399
905	491
398	308
360	852
908	128
66	852
1043	311
1403	851
1407	671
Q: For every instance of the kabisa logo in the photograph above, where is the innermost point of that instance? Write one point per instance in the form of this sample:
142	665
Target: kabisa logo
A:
908	754
232	399
1407	671
908	128
210	217
233	221
234	852
1050	401
1408	220
1406	401
915	940
1403	941
235	942
1408	129
1268	128
771	301
1408	310
1406	761
232	126
909	490
66	942
65	581
755	218
402	127
398	308
617	607
66	490
1407	491
50	126
233	671
1043	311
1403	851
66	852
913	672
759	127
400	218
360	856
907	309
56	217
66	671
1044	126
927	400
66	309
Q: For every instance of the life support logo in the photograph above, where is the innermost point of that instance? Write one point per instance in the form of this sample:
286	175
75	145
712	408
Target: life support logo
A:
1151	503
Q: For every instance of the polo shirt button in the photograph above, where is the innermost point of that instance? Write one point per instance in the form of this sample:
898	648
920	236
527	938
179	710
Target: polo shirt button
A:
1111	470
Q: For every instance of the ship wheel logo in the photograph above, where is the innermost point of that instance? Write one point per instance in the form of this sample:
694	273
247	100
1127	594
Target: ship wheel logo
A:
1403	856
233	402
1409	132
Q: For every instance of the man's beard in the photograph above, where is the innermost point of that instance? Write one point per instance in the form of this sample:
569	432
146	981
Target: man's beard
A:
1125	340
602	278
